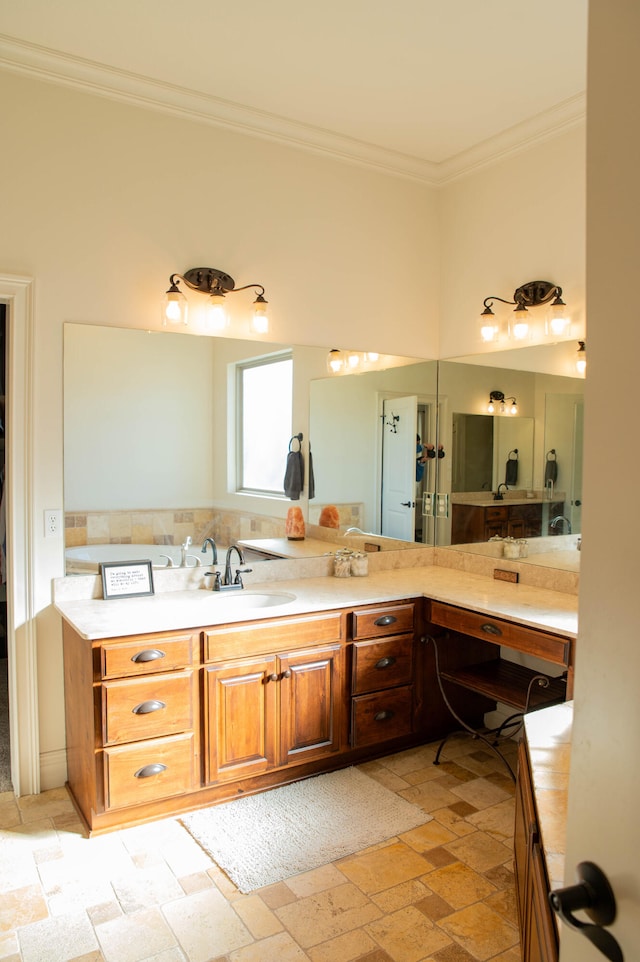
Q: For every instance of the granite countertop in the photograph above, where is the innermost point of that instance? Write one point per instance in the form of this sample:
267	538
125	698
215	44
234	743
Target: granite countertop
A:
285	548
548	733
95	618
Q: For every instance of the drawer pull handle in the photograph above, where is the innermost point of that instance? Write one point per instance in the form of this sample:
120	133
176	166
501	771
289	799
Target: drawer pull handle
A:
147	770
385	662
145	707
149	654
492	629
385	620
383	715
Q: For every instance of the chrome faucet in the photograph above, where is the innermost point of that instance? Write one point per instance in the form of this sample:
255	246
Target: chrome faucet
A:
556	521
498	496
184	556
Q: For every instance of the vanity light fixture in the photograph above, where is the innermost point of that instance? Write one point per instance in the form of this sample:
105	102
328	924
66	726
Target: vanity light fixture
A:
499	404
216	284
350	362
581	358
519	328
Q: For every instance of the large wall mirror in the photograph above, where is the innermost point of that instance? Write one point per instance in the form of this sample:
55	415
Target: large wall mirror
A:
148	427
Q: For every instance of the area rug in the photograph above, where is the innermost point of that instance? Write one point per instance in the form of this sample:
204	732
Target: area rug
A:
262	839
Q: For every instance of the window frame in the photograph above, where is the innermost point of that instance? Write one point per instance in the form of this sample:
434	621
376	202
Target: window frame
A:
240	368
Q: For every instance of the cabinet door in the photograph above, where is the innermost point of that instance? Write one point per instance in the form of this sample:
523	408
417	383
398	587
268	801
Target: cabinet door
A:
540	943
523	837
240	718
311	702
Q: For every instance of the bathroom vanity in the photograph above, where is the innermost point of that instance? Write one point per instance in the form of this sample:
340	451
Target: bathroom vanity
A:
479	521
163	721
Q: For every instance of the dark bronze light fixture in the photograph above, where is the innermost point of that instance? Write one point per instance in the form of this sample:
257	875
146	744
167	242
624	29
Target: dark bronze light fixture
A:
216	284
528	295
498	403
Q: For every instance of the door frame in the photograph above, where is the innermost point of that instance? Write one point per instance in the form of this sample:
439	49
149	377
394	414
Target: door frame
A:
17	293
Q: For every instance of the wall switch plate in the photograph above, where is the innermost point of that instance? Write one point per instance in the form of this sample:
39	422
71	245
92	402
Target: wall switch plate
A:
52	522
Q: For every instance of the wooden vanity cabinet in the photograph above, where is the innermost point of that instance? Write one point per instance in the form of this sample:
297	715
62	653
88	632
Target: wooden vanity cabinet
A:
538	929
382	676
473	523
132	720
277	706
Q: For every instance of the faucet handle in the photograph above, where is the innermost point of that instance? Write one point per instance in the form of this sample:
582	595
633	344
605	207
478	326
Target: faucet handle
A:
217	583
239	573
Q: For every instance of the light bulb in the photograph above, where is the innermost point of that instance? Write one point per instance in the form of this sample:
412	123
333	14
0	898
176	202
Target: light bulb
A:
216	318
174	307
260	319
335	361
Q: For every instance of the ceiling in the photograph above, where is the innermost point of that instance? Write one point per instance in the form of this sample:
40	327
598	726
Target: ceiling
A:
426	89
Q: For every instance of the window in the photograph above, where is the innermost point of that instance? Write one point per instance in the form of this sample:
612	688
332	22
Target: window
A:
264	403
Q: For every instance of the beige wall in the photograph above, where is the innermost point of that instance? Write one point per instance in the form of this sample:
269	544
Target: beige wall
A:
522	219
102	201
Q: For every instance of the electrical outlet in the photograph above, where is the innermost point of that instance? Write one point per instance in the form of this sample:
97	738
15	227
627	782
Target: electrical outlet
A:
52	522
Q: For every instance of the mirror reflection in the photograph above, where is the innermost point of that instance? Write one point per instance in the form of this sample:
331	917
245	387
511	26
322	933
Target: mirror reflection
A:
150	447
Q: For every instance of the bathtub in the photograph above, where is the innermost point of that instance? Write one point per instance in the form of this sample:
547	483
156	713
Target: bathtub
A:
85	558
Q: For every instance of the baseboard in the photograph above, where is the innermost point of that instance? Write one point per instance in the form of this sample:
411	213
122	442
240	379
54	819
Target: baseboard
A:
53	769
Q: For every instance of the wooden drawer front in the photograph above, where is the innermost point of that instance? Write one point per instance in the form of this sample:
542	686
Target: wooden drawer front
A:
382	716
539	643
500	513
148	771
378	622
255	639
382	664
147	654
146	708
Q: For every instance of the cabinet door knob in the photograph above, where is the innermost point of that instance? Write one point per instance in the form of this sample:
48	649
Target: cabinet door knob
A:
149	654
145	707
385	620
148	770
386	662
383	715
287	673
273	677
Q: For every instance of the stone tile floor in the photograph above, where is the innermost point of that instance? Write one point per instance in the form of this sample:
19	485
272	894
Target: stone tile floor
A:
443	892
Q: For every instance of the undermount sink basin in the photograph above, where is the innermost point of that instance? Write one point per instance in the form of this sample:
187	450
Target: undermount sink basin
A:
250	599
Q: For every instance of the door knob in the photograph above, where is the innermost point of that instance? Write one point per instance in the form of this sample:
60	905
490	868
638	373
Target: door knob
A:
408	504
593	895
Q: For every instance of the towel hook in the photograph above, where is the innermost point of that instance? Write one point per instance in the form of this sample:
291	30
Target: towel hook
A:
298	438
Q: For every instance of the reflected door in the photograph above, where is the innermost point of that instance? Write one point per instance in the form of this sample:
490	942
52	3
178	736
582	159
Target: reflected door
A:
399	421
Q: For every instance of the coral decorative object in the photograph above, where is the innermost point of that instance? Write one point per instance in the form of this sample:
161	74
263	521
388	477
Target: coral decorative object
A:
329	517
294	525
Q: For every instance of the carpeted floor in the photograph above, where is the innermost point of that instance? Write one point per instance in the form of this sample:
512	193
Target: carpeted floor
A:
262	839
5	767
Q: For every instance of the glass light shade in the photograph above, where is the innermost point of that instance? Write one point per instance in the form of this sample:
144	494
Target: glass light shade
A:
514	408
216	318
491	407
174	308
260	319
335	361
519	325
558	323
353	360
489	329
581	359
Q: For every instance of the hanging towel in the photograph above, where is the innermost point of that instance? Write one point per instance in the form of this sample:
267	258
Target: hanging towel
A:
511	472
294	472
312	480
551	467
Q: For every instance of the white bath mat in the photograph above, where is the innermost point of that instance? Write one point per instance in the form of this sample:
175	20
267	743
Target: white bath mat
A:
262	839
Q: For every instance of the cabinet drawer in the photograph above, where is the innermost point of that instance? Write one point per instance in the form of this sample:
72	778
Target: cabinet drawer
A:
247	640
533	642
382	664
147	654
148	771
500	513
381	716
146	708
378	622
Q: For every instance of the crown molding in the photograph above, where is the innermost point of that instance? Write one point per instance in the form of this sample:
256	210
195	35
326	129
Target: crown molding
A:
94	78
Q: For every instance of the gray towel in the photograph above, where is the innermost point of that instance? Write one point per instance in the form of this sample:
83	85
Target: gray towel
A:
511	472
551	469
294	475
